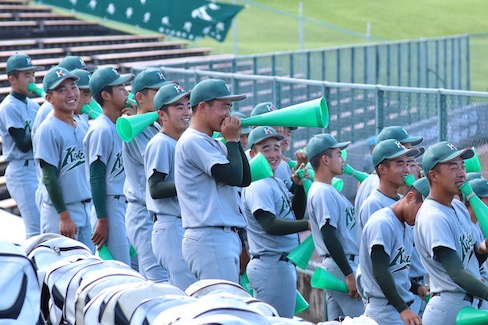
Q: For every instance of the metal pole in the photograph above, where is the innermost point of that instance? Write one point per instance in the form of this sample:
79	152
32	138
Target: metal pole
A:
234	31
300	25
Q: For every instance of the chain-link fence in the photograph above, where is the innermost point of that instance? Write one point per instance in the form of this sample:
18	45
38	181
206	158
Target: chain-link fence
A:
359	111
430	63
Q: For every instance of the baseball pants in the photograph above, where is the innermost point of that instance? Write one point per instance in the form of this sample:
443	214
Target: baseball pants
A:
212	252
22	182
338	303
117	242
382	312
80	213
275	282
443	308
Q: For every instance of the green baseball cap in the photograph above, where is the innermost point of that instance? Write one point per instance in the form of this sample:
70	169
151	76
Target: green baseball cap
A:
148	78
322	142
169	94
262	108
422	185
443	152
244	129
398	133
21	62
480	187
107	76
262	133
84	78
391	149
55	76
72	62
209	89
471	176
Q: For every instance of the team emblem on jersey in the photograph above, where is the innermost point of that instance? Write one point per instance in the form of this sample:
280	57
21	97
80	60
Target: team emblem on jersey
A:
400	261
28	126
350	218
118	166
466	241
73	158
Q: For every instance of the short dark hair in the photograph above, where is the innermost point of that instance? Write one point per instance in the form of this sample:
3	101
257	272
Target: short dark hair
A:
436	169
385	162
418	196
14	73
98	97
315	162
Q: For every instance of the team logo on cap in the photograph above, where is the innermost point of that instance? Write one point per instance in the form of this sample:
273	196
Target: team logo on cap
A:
60	73
29	60
82	63
399	145
451	146
161	76
226	86
268	131
115	71
178	88
271	107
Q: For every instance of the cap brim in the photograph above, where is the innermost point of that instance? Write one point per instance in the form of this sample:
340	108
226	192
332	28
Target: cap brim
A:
122	79
58	82
421	151
246	129
234	98
463	153
413	140
276	136
176	98
341	145
35	68
412	152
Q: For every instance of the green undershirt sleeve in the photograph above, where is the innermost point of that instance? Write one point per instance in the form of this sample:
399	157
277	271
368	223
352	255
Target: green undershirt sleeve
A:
246	169
279	227
299	203
380	261
50	180
158	188
98	187
335	248
22	139
231	173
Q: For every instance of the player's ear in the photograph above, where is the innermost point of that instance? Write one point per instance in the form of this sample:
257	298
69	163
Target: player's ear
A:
252	153
49	97
106	96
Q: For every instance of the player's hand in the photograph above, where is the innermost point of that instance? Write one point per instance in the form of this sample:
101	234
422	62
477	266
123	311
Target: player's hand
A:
295	178
129	110
67	226
301	157
100	233
410	318
483	248
230	128
351	285
422	291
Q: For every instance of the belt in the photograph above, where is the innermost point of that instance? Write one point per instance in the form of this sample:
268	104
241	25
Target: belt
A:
154	216
26	162
234	229
283	257
467	297
350	257
418	279
409	303
86	201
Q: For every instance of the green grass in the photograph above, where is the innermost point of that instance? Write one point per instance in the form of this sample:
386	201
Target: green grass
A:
264	31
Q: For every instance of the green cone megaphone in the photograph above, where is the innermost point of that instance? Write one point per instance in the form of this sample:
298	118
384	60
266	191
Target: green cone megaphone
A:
130	100
292	164
360	176
471	316
322	279
33	88
313	113
409	180
300	303
307	182
302	254
260	168
473	164
479	207
128	127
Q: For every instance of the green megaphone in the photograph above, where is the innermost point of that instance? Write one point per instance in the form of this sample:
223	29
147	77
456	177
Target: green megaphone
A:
322	279
409	180
128	127
260	168
31	87
302	254
479	207
360	176
473	164
300	303
292	164
88	110
105	254
313	113
130	100
471	316
307	182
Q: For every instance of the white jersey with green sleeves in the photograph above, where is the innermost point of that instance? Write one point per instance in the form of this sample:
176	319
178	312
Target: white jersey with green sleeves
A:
447	226
376	201
325	203
204	202
271	195
61	145
14	113
102	142
133	153
384	229
160	157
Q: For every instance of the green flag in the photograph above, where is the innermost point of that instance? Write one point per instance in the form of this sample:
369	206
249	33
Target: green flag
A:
188	19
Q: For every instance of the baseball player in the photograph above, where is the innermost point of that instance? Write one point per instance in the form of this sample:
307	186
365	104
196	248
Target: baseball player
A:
385	257
245	130
444	238
207	174
17	112
272	227
333	224
103	149
390	162
138	222
174	111
58	147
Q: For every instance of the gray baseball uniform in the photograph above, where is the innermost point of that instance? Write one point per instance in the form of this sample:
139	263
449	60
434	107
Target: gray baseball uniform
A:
139	223
20	175
167	234
271	275
102	142
326	204
368	186
384	229
61	145
209	209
